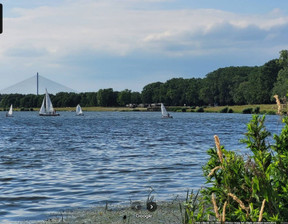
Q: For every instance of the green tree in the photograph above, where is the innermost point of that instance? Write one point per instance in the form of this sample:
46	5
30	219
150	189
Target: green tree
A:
208	93
106	97
91	99
253	92
9	99
175	91
150	92
136	98
283	58
192	92
240	93
281	85
124	97
269	73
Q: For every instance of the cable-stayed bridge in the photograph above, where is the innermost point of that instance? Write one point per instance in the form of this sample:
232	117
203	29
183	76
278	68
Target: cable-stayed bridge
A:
36	85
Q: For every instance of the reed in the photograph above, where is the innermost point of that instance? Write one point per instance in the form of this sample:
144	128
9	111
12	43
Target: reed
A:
261	211
224	211
235	198
218	146
213	170
215	207
278	104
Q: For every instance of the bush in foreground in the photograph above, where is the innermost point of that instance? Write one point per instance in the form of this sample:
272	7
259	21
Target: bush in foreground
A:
245	189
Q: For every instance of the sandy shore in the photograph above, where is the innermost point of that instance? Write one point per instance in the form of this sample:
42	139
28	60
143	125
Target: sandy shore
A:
166	212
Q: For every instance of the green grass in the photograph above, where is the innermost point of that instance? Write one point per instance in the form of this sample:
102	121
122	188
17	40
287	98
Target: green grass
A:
264	108
240	108
236	109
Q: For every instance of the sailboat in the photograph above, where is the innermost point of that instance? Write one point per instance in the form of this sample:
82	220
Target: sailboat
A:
47	107
10	112
79	111
164	112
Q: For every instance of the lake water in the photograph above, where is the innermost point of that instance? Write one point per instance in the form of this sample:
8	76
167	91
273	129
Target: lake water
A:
51	164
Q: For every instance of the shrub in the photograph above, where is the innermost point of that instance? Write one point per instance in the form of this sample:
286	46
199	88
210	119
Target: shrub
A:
200	109
174	109
230	110
224	110
271	112
247	111
253	188
256	110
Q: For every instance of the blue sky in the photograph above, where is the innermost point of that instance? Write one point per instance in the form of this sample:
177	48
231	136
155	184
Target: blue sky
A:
89	45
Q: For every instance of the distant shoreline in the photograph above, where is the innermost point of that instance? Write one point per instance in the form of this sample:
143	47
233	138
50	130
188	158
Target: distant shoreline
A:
263	109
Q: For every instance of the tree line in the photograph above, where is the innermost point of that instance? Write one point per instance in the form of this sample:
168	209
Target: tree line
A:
104	98
224	86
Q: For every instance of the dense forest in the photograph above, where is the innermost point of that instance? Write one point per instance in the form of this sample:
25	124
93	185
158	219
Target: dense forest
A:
224	86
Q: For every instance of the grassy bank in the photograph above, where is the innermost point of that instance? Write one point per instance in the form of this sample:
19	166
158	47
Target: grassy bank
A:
239	108
264	108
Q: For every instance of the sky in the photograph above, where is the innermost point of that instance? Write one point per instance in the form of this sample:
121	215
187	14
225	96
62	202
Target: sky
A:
89	45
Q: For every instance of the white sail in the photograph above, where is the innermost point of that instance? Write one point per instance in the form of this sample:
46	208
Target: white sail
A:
47	107
42	109
163	110
79	110
10	112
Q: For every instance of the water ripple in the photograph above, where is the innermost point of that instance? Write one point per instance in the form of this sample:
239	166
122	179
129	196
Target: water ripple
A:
49	164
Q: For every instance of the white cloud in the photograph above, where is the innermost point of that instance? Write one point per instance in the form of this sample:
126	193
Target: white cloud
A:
116	27
46	36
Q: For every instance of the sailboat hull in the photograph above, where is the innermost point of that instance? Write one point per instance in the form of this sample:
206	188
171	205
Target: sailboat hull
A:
166	117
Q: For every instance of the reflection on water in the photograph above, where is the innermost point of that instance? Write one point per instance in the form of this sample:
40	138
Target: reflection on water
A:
50	164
